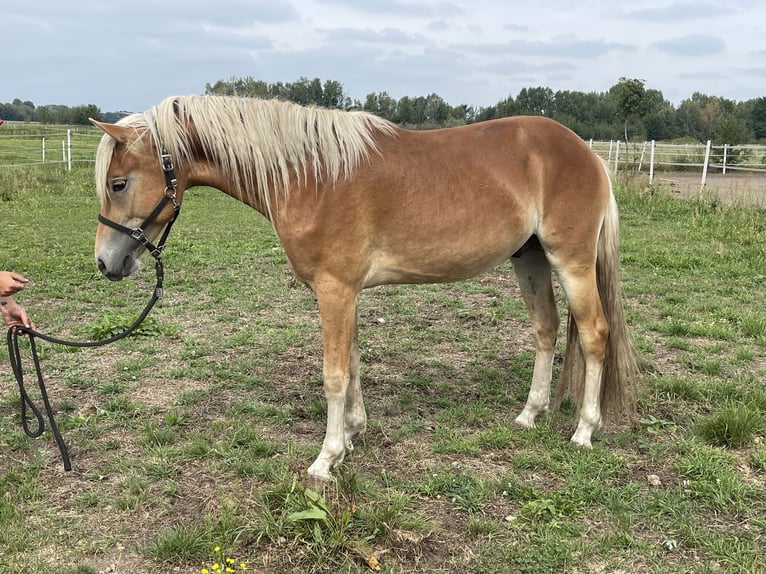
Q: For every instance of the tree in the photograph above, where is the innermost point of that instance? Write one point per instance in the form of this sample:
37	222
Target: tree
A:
80	115
632	101
758	118
381	104
731	130
535	101
332	95
437	110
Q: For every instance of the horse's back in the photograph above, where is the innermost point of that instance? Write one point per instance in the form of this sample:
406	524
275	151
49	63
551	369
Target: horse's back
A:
447	204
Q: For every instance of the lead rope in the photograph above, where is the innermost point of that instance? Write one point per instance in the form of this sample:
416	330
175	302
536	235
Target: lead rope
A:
15	332
14	353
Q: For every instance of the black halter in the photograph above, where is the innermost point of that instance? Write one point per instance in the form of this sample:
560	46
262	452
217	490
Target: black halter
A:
171	187
14	352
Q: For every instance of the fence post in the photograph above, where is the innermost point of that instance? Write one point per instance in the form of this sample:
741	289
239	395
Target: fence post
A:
651	163
69	149
725	149
704	165
43	150
641	160
616	158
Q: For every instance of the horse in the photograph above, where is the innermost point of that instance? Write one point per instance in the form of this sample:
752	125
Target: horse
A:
358	202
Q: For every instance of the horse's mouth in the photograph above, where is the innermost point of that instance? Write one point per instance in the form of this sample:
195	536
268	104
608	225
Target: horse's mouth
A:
114	276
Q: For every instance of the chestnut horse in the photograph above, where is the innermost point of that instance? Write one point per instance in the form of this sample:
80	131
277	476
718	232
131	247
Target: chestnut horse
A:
358	202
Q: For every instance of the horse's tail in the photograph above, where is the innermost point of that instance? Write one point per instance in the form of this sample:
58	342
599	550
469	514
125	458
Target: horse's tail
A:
621	368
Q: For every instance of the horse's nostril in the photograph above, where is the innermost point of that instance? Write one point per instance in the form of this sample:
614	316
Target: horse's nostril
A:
101	265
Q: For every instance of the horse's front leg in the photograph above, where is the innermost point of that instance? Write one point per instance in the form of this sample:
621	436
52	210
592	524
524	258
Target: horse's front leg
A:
337	309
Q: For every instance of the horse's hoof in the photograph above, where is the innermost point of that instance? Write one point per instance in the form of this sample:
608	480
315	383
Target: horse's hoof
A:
525	421
319	474
318	482
581	441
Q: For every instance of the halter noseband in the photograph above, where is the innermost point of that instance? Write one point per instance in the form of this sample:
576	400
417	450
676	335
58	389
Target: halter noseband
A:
169	196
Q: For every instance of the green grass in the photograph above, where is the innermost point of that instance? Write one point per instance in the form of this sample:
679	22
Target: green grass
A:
195	435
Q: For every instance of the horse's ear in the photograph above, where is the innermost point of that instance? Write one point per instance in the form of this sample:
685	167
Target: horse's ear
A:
121	134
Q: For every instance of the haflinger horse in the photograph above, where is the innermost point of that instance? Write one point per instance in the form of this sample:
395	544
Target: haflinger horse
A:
359	202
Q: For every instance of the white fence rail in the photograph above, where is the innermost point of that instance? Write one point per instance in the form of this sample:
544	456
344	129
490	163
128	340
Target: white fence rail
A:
651	157
38	145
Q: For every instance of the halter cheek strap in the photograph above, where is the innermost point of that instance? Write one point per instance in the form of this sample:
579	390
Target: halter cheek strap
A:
137	233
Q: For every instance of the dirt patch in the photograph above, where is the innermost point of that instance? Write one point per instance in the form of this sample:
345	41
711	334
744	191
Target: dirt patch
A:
740	189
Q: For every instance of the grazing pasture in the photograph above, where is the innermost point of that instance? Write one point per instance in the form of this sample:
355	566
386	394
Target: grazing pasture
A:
194	435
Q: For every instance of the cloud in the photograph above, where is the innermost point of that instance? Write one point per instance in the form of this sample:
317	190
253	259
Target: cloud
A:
398	7
692	45
755	72
706	76
566	47
388	36
680	11
520	68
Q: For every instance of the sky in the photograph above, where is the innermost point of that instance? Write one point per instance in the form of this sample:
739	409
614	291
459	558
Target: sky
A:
128	56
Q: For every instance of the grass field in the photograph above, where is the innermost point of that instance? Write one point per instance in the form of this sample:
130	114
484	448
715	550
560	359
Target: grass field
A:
189	442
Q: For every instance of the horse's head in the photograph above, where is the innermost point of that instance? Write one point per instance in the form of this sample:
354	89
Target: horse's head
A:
137	197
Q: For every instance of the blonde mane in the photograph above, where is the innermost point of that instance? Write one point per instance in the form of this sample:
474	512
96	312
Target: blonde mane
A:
262	144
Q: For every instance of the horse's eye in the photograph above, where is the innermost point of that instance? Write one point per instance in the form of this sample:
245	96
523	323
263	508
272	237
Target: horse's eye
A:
119	184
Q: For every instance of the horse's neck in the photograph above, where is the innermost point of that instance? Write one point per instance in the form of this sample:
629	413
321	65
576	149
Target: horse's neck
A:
203	173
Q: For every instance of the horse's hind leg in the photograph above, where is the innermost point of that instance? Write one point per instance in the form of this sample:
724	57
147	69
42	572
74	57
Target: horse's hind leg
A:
356	417
534	275
579	283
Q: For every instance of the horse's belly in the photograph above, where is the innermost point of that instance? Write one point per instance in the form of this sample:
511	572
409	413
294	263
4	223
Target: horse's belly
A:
437	263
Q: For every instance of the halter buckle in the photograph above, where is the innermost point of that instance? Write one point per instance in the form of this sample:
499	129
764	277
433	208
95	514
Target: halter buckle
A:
138	235
170	193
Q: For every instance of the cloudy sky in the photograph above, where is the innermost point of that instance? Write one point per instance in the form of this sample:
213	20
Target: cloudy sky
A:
130	55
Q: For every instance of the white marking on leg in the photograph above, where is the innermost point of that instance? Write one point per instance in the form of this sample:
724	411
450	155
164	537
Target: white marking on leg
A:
356	417
590	410
334	445
539	390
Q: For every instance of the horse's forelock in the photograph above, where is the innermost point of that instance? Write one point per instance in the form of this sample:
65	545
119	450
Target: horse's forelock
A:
106	148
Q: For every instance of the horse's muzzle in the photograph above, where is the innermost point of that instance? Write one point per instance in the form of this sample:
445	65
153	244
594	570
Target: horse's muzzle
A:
117	272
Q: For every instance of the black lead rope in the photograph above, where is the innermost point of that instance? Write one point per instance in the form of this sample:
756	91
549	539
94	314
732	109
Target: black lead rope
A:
16	332
14	353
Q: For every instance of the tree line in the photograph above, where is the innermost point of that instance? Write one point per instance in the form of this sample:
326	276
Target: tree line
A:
26	111
628	110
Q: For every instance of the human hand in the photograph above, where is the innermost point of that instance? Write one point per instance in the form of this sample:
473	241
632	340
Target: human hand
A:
14	314
11	283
